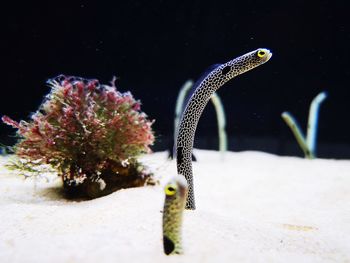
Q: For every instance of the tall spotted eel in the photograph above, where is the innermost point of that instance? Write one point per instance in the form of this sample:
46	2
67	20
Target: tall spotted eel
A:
175	199
199	99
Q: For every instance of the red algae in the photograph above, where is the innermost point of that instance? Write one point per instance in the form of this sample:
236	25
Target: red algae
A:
90	133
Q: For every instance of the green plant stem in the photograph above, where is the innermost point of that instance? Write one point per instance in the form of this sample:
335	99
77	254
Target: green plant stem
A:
221	119
180	104
313	121
294	126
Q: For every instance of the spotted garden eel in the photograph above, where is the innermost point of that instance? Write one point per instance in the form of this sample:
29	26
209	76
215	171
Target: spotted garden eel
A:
203	91
175	199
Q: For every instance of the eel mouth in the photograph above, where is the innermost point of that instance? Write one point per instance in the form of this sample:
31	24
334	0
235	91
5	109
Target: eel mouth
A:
269	55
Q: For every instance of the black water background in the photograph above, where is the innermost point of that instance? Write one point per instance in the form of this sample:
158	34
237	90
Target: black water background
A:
153	47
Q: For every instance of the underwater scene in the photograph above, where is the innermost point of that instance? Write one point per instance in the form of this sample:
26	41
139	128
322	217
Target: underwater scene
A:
180	131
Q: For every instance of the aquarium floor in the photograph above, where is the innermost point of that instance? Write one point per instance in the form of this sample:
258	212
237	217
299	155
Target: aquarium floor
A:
251	207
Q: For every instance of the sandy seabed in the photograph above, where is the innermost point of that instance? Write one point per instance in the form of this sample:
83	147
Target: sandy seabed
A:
251	207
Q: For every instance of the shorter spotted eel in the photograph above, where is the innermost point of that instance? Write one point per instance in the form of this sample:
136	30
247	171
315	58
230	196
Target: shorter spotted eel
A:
174	205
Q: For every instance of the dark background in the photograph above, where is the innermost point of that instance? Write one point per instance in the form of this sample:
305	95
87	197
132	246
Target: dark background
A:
153	47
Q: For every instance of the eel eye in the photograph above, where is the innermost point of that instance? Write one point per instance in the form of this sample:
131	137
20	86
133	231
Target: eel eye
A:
261	53
170	189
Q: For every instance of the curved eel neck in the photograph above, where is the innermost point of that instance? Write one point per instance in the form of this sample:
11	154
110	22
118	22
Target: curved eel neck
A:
195	106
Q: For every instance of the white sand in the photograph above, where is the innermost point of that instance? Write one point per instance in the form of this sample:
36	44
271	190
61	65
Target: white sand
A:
251	207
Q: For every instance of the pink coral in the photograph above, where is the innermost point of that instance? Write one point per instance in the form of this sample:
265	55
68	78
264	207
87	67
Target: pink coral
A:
84	128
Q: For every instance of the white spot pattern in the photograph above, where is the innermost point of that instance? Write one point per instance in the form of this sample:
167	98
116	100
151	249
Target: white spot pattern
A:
195	106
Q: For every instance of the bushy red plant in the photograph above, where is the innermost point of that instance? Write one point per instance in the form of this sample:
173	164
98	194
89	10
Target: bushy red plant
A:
86	131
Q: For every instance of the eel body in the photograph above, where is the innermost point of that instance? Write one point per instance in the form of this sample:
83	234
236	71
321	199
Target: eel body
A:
174	205
204	89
